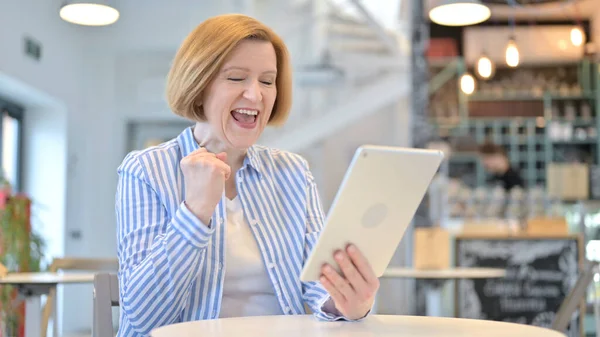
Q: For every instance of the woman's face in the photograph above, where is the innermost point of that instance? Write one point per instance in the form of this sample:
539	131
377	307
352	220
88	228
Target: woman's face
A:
238	102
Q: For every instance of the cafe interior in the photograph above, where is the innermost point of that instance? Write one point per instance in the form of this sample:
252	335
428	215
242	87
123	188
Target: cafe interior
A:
506	239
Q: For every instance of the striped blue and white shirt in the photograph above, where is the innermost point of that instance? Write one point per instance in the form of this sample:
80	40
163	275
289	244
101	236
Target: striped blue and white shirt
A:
172	265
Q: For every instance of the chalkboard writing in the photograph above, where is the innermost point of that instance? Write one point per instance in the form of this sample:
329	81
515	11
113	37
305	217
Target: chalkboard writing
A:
540	274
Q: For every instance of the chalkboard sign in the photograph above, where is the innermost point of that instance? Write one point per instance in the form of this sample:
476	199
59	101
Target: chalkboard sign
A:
540	274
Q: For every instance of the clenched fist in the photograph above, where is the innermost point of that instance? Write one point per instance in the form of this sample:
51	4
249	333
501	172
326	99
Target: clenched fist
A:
204	175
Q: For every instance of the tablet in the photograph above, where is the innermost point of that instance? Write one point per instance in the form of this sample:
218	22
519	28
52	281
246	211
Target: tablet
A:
376	201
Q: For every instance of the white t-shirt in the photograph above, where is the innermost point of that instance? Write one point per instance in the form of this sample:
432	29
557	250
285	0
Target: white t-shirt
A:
247	289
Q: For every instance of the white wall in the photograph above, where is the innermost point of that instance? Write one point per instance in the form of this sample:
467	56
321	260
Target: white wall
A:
45	167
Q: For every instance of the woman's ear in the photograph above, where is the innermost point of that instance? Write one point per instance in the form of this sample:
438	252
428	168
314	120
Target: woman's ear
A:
198	110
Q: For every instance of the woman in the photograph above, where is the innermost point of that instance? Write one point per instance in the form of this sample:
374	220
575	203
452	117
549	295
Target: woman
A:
211	225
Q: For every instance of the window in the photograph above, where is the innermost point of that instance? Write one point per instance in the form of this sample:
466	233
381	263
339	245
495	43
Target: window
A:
11	131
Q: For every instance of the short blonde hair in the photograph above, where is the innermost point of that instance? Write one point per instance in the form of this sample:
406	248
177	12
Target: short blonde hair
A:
203	53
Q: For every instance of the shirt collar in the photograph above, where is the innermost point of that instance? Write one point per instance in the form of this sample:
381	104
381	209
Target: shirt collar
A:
187	145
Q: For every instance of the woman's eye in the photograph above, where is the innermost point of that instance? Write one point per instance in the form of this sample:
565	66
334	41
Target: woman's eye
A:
266	82
236	79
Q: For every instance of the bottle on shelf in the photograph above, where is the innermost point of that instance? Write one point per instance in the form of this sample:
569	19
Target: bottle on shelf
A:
585	112
570	112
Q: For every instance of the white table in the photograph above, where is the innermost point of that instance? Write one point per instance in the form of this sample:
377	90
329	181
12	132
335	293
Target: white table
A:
437	277
32	286
445	274
375	325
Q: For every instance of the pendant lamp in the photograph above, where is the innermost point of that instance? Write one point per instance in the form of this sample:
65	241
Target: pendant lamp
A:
577	36
459	12
89	12
512	53
467	84
485	67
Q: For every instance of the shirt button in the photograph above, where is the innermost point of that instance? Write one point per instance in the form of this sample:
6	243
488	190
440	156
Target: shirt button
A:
271	265
220	265
221	221
253	222
287	309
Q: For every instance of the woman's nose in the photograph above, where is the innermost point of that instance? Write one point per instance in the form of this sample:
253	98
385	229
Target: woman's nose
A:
252	92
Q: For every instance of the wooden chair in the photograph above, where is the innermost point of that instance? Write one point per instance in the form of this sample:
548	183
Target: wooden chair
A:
78	264
575	298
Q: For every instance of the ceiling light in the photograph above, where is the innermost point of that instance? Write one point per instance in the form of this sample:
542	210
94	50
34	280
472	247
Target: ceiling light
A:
485	67
512	53
467	84
577	36
89	13
459	12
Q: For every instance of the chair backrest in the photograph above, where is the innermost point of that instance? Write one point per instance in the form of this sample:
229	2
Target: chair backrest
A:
106	296
73	263
575	297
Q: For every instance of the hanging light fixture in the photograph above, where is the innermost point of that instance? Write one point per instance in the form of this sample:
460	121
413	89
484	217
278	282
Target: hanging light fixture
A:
512	53
467	83
89	12
577	36
459	12
485	67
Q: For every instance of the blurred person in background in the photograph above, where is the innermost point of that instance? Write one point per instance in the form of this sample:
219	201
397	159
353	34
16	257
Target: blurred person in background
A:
495	161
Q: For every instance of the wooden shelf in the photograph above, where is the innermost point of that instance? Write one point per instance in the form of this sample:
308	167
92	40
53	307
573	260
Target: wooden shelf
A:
522	122
525	97
575	142
575	123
